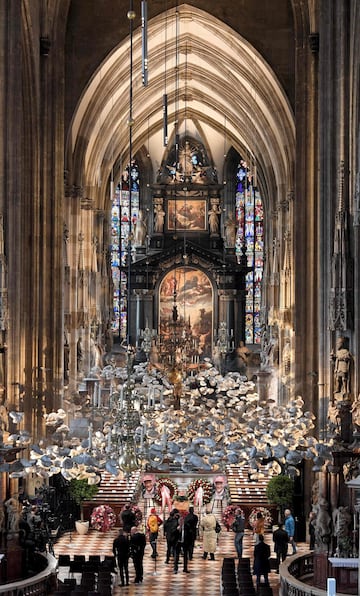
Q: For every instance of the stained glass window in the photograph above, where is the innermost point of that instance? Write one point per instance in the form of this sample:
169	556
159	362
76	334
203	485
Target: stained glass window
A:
124	213
250	220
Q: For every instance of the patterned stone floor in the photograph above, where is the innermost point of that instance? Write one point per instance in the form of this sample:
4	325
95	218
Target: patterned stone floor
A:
159	579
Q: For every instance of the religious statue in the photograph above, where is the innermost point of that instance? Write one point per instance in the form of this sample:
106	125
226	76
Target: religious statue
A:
342	521
355	410
214	219
66	358
159	219
79	354
322	525
140	230
342	360
185	161
95	354
13	514
230	231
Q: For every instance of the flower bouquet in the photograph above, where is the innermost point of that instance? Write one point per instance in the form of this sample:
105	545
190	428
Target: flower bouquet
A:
266	515
207	490
103	518
228	515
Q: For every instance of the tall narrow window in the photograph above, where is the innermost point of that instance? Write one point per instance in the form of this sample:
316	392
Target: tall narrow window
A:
250	215
126	199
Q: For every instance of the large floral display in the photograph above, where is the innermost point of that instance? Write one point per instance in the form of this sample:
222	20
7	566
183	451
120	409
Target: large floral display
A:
200	491
265	513
103	518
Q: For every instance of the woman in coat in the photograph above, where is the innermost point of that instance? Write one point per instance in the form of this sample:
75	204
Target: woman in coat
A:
261	560
208	525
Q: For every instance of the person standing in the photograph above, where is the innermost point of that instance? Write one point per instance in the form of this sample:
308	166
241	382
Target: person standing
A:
137	549
190	523
182	544
171	533
259	526
153	523
128	518
121	550
290	529
208	525
281	539
312	524
238	527
261	561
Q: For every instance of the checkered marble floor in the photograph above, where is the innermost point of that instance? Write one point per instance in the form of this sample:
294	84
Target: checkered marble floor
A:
204	577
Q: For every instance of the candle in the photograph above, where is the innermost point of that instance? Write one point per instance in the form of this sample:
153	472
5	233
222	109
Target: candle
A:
121	396
90	436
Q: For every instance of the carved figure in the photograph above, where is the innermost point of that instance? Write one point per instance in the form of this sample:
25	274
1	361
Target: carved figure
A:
334	419
13	514
342	359
95	354
214	219
159	215
355	409
342	530
79	354
140	230
230	231
323	524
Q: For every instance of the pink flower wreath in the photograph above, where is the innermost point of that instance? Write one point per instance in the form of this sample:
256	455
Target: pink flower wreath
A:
103	518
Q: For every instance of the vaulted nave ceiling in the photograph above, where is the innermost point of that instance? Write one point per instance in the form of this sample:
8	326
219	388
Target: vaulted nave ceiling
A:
219	88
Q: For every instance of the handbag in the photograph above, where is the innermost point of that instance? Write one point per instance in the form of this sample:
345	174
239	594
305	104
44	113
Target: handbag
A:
217	527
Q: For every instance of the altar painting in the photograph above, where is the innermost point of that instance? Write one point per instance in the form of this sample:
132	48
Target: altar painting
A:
194	301
187	215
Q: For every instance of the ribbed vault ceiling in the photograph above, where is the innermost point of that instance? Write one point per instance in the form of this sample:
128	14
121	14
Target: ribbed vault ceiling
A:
219	89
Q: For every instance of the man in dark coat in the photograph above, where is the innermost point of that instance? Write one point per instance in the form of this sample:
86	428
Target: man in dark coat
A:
137	549
261	560
121	550
182	545
190	524
238	527
281	539
128	518
171	532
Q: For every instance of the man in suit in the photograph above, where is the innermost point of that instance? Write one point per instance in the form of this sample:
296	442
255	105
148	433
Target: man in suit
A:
281	539
121	550
190	524
137	549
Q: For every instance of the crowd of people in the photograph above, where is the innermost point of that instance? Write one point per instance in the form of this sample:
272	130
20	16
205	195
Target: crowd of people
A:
181	529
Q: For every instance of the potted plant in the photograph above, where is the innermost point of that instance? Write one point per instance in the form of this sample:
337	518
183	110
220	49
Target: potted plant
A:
280	492
80	491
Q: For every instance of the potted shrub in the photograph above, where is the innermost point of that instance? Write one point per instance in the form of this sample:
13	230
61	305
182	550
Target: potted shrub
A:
80	491
280	492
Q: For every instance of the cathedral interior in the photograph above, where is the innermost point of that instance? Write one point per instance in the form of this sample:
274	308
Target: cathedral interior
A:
179	241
